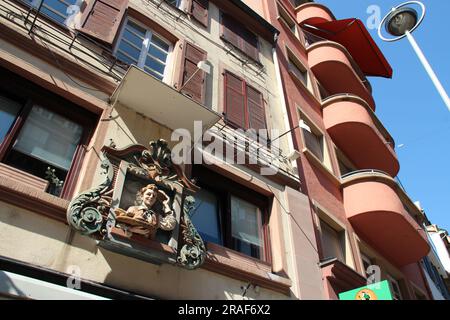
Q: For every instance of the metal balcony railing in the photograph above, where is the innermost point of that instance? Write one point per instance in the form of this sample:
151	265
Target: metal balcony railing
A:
262	152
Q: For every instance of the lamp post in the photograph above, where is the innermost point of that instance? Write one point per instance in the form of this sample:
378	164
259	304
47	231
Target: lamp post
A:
400	23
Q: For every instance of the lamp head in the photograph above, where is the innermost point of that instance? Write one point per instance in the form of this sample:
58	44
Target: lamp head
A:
401	20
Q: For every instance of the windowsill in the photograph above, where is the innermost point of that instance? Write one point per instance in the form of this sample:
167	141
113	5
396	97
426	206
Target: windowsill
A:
319	164
19	193
241	267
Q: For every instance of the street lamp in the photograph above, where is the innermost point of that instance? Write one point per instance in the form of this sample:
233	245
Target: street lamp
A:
400	23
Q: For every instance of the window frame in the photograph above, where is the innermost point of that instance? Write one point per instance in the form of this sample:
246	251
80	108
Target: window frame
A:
224	188
149	32
37	96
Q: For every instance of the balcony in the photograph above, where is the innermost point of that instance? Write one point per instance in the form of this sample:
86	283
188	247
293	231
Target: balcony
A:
167	106
356	130
337	72
313	13
374	204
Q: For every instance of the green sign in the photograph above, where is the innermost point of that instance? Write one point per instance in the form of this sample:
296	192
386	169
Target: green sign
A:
376	291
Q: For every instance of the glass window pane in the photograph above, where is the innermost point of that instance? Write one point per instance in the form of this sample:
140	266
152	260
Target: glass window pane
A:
246	227
136	28
206	216
55	9
133	38
160	43
125	58
49	137
155	65
331	242
157	53
9	110
314	143
129	50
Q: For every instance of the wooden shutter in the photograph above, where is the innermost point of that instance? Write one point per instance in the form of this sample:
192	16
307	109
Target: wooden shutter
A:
235	100
231	31
250	44
256	111
236	34
199	11
104	18
196	86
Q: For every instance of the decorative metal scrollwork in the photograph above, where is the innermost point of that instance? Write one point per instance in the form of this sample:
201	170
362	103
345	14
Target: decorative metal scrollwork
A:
193	253
85	211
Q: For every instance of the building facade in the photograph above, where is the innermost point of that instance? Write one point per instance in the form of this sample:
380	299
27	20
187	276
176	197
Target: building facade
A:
194	149
362	217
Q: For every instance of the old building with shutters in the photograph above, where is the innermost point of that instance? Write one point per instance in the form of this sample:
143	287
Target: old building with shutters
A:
193	149
94	96
362	216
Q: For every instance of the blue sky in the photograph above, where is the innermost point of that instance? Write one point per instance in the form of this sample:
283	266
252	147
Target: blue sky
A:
409	105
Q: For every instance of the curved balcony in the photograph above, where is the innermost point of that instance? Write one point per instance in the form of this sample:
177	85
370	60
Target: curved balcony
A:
313	13
337	72
356	130
374	204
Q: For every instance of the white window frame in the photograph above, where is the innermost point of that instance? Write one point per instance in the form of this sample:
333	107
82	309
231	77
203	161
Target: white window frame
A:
146	44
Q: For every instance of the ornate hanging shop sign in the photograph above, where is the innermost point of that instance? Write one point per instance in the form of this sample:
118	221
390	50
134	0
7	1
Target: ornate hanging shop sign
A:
142	208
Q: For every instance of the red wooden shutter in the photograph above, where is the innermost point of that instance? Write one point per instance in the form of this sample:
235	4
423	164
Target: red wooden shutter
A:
104	18
235	100
196	86
256	111
199	11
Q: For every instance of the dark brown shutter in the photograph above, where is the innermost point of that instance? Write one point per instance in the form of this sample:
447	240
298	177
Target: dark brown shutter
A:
231	31
199	11
236	34
250	44
104	18
196	86
235	100
256	111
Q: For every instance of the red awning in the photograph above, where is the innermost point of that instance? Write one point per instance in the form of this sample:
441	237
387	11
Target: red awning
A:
353	35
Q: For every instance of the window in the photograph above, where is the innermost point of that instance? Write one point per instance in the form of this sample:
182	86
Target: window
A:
206	217
332	242
141	47
345	166
42	135
287	20
55	9
244	105
223	216
367	262
313	139
240	37
395	288
299	72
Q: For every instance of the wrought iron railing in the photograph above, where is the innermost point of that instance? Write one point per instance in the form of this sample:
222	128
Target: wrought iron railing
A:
264	152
